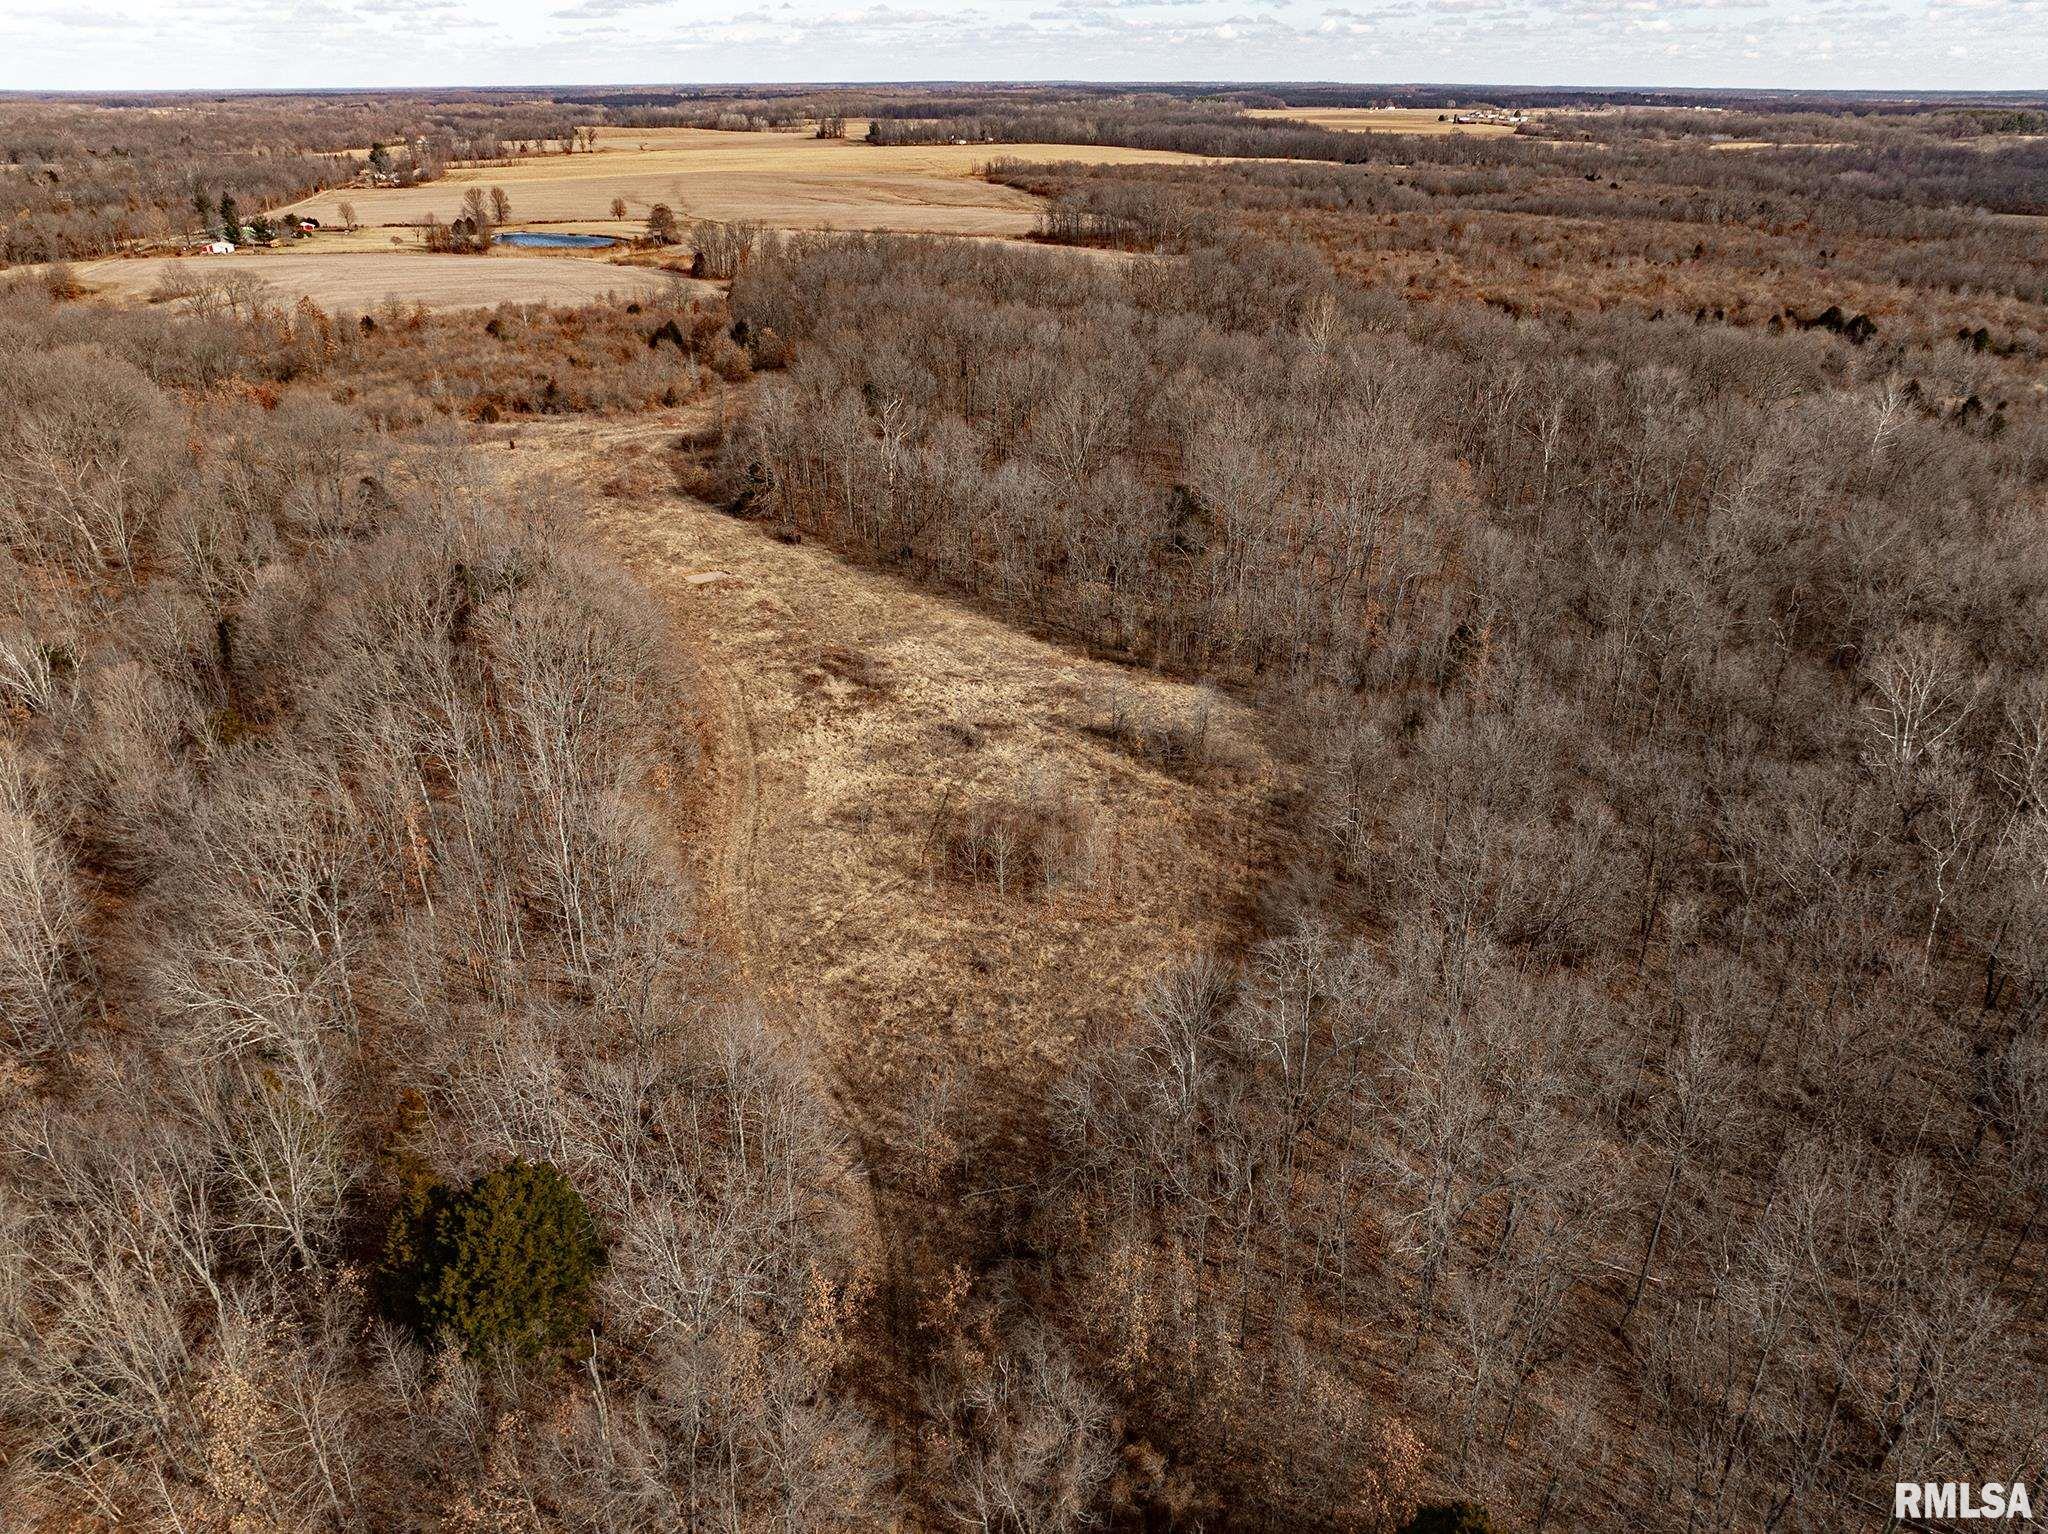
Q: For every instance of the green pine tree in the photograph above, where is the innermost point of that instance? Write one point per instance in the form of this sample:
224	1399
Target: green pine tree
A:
506	1262
1449	1518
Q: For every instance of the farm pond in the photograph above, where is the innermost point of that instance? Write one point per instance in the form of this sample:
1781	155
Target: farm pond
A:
530	239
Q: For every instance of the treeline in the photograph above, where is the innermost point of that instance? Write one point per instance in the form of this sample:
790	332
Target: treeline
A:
78	209
397	365
1642	1085
86	178
1809	127
744	111
1675	236
1705	101
1900	175
1185	127
700	106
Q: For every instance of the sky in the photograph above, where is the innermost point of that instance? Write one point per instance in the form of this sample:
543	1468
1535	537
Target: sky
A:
1832	44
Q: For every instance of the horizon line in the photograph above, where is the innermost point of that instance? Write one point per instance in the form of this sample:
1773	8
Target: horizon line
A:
1832	92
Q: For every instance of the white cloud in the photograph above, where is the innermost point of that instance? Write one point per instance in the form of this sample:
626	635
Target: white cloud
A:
241	43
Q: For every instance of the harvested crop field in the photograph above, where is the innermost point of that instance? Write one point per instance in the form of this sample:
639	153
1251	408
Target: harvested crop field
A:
1382	120
784	180
362	280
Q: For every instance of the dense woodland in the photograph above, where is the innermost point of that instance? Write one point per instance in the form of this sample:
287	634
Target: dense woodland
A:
1913	163
1627	1107
1641	1085
1650	1003
329	880
1555	242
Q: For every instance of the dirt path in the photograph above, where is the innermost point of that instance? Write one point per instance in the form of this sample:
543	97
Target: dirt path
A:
860	721
847	720
737	764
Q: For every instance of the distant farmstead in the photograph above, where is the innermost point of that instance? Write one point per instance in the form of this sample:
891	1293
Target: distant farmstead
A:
220	247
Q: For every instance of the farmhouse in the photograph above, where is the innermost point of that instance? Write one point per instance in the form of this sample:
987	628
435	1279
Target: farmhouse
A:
220	247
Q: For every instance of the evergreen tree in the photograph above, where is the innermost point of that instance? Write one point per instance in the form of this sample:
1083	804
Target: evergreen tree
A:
1449	1518
507	1261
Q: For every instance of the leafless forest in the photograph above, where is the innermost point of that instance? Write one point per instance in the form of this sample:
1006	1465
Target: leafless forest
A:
1623	1103
82	178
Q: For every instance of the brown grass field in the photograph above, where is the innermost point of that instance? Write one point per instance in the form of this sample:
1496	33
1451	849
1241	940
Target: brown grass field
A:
783	180
853	714
364	279
1381	120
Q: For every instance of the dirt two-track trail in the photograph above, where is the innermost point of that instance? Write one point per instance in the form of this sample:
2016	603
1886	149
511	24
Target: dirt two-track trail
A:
853	715
845	718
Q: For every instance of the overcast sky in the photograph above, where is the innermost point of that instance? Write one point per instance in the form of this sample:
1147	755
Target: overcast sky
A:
135	44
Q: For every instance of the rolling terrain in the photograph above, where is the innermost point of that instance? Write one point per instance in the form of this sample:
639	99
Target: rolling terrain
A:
1179	817
777	180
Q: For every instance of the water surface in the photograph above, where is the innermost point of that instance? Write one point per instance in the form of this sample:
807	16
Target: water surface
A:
535	239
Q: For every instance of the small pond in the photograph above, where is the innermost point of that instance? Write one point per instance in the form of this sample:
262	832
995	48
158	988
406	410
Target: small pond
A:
533	239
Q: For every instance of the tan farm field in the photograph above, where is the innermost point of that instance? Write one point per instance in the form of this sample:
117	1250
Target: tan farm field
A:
782	180
363	279
1429	120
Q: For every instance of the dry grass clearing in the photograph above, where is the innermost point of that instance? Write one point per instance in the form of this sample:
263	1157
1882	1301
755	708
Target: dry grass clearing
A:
783	180
880	749
364	279
1431	120
1765	143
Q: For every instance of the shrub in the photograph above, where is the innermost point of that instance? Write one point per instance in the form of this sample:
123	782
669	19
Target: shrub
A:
1177	733
61	282
1041	842
727	360
506	1262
